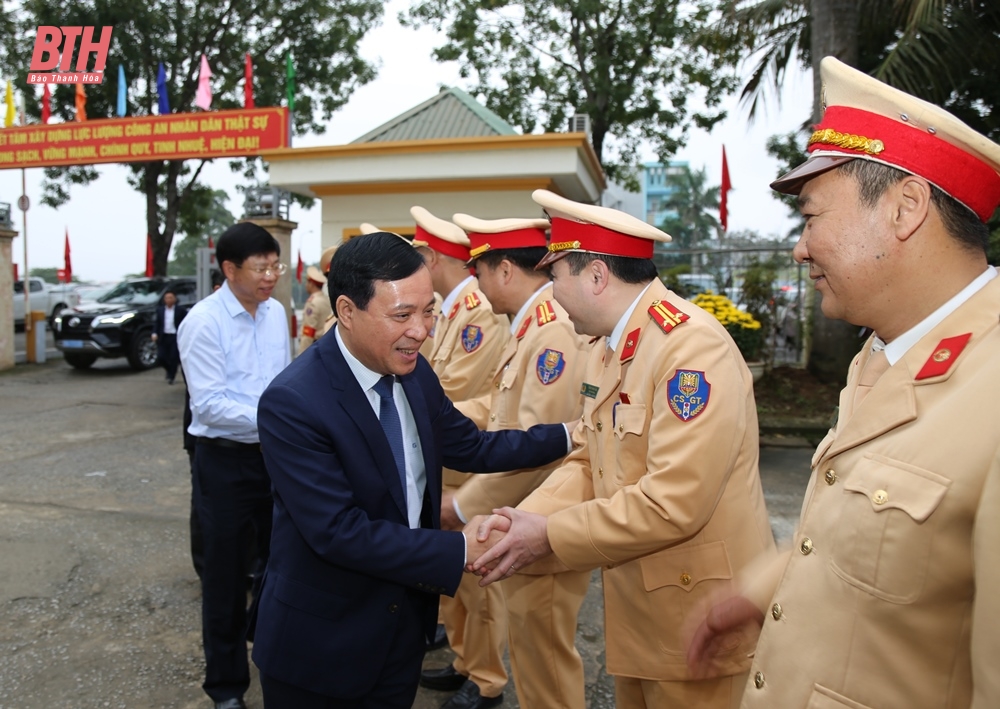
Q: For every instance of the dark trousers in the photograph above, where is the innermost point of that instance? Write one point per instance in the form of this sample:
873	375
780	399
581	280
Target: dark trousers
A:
233	499
170	358
396	687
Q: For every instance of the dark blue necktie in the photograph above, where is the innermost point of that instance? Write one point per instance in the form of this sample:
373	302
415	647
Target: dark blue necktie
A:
389	418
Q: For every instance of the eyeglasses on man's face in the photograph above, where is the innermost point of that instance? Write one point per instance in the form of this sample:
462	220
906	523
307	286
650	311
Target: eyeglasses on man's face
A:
274	269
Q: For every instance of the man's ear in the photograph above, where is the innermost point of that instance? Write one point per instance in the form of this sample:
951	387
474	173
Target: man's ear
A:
229	270
506	271
600	275
345	310
911	201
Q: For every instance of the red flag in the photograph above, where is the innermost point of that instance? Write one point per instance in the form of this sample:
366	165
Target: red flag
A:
248	82
81	103
211	245
298	269
149	257
726	186
68	264
46	104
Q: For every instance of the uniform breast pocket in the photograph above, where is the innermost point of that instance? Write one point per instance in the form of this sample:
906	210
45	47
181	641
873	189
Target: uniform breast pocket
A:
884	536
629	421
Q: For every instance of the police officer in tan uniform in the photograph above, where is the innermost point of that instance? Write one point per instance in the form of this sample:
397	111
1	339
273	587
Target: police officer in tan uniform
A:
468	340
538	381
662	491
317	309
324	265
890	594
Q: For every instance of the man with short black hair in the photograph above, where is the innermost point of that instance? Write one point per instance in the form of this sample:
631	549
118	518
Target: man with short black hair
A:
232	344
355	432
890	594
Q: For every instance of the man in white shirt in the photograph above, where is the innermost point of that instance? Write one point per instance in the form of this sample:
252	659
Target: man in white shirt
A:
890	594
232	344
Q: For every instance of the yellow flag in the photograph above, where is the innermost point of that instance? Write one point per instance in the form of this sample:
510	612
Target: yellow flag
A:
8	120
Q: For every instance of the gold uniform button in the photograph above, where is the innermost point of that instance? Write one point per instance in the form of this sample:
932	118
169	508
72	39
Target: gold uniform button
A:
600	426
493	417
806	546
830	477
686	578
503	384
497	385
880	497
758	680
393	608
600	472
776	611
621	427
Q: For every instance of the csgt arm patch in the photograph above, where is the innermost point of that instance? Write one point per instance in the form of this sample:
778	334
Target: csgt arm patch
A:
687	394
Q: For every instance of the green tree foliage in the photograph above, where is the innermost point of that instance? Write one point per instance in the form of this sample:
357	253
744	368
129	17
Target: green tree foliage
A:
322	36
695	206
631	65
206	216
944	51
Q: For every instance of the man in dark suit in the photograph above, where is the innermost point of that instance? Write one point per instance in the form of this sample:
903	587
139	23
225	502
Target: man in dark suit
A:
354	434
168	318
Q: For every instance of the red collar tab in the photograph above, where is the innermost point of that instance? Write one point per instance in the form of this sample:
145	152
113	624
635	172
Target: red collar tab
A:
479	244
944	356
440	245
631	342
545	313
852	131
577	236
454	309
666	316
472	301
524	327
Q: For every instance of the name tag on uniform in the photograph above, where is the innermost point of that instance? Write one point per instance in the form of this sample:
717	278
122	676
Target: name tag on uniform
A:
589	390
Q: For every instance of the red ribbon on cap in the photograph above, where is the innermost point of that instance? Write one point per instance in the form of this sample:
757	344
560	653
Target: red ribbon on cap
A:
600	240
440	245
960	174
513	239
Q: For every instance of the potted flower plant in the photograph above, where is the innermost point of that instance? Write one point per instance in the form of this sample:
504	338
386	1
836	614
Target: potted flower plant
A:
743	327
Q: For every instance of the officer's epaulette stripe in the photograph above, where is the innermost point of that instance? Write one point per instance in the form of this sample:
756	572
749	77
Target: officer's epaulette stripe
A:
472	301
545	313
666	316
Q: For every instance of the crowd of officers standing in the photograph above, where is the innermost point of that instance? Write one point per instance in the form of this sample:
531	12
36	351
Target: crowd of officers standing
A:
888	594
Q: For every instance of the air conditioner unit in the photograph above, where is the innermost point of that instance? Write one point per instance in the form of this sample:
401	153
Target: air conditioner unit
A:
580	123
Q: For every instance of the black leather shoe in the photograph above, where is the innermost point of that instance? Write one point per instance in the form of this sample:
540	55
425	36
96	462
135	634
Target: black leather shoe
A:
234	703
445	679
468	697
440	638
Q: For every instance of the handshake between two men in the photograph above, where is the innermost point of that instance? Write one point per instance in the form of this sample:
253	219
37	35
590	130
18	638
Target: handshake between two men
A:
500	544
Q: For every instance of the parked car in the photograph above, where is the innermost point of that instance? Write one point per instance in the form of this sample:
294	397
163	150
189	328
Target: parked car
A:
47	297
89	293
119	323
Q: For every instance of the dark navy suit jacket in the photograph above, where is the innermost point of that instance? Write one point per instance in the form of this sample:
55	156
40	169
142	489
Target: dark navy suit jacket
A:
342	554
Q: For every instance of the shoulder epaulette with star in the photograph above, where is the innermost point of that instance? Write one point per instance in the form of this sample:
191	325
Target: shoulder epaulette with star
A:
545	312
666	316
472	301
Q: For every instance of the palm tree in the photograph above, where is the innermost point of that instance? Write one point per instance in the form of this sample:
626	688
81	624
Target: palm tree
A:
693	205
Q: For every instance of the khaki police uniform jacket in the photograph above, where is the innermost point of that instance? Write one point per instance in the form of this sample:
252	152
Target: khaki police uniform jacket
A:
537	381
890	596
468	342
662	488
314	316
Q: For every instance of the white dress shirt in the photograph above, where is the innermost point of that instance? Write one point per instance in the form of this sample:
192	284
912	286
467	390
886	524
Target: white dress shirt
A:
229	357
616	335
416	473
895	350
169	328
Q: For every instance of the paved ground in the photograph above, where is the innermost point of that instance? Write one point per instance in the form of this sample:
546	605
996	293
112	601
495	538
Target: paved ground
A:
99	606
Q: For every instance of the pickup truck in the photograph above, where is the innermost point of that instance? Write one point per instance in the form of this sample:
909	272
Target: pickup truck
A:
49	298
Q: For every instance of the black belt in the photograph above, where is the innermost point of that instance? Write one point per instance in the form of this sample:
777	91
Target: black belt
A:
226	443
